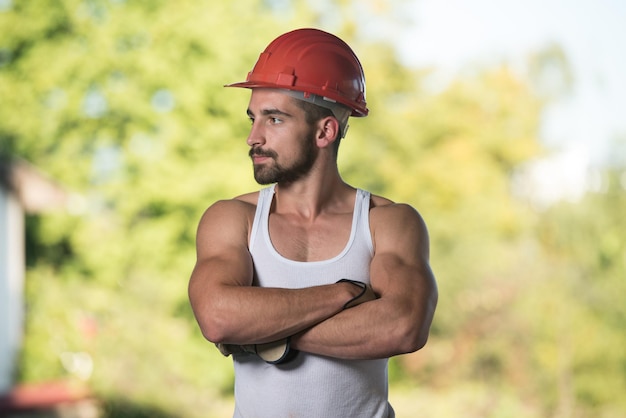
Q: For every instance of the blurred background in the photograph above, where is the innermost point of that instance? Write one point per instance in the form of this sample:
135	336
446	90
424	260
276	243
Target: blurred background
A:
502	122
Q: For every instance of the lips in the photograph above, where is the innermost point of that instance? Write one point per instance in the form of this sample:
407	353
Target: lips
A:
256	159
259	155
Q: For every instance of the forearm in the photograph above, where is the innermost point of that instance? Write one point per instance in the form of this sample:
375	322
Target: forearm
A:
239	314
256	315
374	329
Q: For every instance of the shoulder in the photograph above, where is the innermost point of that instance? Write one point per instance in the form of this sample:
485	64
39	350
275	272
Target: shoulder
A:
394	223
235	207
385	210
229	216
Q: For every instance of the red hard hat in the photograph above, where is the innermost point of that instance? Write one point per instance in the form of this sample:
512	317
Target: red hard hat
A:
314	62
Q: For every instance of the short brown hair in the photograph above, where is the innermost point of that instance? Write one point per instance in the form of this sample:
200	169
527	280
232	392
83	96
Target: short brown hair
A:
314	113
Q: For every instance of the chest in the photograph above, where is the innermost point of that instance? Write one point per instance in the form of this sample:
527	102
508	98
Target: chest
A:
322	239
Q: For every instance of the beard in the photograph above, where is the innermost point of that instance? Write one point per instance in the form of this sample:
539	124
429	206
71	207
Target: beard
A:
277	173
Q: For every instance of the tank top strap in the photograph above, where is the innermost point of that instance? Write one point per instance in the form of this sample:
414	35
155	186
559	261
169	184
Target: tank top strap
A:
261	214
362	218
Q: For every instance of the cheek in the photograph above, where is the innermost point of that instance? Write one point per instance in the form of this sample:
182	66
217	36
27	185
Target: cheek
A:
291	154
294	146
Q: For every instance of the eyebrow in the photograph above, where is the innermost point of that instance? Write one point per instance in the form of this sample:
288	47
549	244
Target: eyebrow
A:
267	112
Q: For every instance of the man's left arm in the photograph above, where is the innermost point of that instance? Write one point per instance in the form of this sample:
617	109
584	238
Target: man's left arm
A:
399	320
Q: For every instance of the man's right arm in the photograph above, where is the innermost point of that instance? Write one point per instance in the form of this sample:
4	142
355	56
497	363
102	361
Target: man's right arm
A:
226	305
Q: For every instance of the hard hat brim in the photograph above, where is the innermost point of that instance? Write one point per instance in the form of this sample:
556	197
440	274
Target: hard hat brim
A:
357	111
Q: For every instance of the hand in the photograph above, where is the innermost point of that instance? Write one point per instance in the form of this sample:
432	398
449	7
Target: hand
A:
273	353
228	349
366	294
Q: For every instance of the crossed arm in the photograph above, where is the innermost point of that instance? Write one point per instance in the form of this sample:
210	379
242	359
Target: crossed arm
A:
230	310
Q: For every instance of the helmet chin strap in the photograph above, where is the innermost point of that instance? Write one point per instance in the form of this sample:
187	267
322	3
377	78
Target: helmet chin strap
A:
341	112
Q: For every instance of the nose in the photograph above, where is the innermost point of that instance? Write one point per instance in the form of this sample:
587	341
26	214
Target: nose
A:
256	136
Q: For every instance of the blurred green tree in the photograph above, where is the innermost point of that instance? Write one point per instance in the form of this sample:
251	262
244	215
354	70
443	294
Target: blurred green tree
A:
583	346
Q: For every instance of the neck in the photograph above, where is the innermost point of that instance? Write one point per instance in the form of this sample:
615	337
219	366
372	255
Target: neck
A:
312	195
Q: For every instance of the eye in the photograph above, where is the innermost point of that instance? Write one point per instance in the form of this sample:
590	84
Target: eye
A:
275	121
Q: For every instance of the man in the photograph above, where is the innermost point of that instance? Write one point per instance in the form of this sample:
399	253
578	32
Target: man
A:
310	283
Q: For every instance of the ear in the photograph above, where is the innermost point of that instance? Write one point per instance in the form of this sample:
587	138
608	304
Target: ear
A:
328	131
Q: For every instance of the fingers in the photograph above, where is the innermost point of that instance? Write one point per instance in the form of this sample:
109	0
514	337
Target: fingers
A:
365	295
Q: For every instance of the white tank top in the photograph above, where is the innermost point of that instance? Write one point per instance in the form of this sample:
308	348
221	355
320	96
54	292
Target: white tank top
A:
310	385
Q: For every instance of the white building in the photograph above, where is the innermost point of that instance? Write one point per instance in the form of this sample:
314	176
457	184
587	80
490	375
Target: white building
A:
23	189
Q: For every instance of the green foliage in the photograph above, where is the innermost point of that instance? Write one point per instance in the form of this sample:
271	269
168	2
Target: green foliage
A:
122	103
586	256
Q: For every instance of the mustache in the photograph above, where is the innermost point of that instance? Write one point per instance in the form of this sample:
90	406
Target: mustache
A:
259	152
